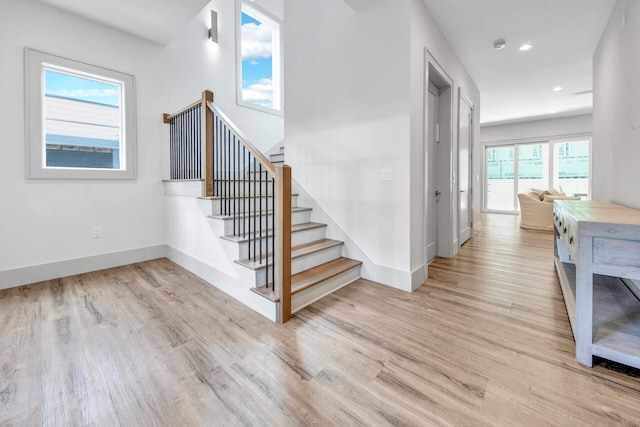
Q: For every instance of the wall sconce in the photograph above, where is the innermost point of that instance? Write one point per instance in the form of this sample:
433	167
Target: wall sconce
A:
213	32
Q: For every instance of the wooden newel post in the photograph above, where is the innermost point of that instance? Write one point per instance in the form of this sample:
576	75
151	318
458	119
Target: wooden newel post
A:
207	163
282	225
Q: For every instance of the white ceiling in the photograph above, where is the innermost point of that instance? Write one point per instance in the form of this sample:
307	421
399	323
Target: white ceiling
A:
158	21
515	85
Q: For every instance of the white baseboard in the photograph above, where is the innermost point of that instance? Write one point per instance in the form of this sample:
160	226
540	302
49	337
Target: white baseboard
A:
54	270
418	277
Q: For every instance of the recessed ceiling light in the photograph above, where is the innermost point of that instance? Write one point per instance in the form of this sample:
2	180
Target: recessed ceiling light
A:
525	46
499	44
557	89
553	111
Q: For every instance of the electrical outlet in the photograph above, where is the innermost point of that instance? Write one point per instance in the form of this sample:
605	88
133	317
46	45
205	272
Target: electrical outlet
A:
385	174
96	233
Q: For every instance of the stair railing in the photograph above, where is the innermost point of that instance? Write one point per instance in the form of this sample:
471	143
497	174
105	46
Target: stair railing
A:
249	189
187	154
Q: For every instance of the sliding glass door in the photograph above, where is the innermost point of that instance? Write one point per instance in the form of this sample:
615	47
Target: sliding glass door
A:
520	168
571	168
500	167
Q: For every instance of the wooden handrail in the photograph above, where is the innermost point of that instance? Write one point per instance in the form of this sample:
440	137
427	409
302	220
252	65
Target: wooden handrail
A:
167	117
245	141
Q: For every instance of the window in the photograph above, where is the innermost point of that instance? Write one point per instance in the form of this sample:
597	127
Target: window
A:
563	165
259	60
80	120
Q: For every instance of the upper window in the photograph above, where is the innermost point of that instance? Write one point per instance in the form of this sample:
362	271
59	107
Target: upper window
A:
81	120
259	64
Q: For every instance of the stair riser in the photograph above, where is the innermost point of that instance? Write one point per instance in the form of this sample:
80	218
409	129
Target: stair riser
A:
314	293
297	238
244	205
242	188
297	217
305	262
277	157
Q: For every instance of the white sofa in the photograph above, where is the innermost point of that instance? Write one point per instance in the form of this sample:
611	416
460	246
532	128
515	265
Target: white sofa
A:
536	209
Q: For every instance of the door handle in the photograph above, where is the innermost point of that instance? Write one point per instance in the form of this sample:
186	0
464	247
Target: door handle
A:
462	191
438	193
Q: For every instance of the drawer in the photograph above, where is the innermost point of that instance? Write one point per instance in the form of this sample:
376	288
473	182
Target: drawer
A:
616	252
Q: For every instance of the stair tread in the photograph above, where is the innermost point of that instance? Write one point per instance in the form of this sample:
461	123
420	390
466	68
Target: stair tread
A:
311	277
294	228
261	213
296	252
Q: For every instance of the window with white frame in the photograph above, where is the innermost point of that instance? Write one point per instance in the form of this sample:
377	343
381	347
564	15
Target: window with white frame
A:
259	60
80	120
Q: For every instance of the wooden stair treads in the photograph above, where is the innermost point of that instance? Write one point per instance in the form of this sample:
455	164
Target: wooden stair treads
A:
313	276
296	252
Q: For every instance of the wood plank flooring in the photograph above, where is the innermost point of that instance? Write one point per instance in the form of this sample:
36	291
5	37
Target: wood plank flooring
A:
486	341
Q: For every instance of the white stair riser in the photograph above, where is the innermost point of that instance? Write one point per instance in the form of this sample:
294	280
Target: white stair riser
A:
277	157
241	188
308	296
305	262
244	205
297	217
297	238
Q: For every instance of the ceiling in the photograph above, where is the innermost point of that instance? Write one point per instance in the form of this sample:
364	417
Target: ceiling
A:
517	85
514	85
158	21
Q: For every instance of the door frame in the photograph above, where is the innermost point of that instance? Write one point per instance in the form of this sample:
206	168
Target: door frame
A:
463	98
447	215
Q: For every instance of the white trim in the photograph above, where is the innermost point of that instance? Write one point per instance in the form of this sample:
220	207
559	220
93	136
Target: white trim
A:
54	270
34	63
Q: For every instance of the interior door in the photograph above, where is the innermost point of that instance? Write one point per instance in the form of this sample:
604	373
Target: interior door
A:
465	132
432	176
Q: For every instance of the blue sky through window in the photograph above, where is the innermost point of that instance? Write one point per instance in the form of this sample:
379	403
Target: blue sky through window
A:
80	88
257	61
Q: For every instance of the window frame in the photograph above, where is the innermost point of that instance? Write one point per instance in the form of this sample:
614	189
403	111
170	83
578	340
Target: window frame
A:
277	75
36	62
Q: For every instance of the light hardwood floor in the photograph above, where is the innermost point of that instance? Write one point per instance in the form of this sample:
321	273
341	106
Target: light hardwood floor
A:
486	341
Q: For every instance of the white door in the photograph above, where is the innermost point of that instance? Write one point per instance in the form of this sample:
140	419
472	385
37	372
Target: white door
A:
432	176
465	214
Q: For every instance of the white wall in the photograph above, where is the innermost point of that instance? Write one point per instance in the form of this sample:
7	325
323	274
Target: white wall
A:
426	34
616	108
45	221
48	223
347	117
355	106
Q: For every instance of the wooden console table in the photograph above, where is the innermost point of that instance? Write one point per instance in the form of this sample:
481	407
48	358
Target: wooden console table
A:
597	257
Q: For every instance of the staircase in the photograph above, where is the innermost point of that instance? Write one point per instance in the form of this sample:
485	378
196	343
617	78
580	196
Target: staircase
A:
317	265
245	198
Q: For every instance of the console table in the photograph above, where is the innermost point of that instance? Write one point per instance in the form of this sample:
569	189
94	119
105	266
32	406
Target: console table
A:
597	257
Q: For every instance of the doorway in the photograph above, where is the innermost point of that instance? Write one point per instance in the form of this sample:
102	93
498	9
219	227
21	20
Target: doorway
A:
432	195
440	213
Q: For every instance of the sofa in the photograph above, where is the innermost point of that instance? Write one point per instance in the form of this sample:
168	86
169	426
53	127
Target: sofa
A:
536	208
